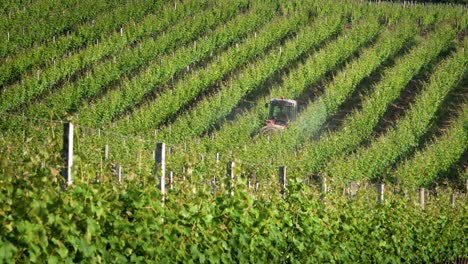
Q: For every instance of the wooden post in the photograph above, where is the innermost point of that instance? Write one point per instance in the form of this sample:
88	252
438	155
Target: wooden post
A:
67	153
106	152
213	185
230	175
352	189
282	180
160	166
324	186
421	197
96	179
452	200
380	189
119	173
253	181
405	194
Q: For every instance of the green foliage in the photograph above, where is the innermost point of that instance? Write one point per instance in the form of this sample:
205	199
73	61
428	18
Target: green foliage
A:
111	223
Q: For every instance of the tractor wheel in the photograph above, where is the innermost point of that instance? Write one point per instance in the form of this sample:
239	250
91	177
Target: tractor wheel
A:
268	130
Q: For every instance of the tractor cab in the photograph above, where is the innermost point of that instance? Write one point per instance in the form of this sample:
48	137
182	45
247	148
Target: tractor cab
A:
281	111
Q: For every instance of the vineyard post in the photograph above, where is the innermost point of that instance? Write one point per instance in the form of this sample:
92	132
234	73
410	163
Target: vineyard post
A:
230	176
119	173
282	180
352	189
213	185
160	165
106	152
67	153
253	179
217	157
171	180
421	197
380	189
452	200
324	186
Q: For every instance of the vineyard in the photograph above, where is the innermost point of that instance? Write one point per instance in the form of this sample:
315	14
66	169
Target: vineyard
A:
131	131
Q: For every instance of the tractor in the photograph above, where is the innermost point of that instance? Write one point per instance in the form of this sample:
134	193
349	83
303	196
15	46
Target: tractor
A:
280	113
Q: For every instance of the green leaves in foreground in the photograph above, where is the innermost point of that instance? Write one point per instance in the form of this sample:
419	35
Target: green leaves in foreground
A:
107	223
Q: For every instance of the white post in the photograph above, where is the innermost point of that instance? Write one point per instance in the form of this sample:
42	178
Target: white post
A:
119	173
217	157
160	165
106	152
171	180
121	32
67	153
